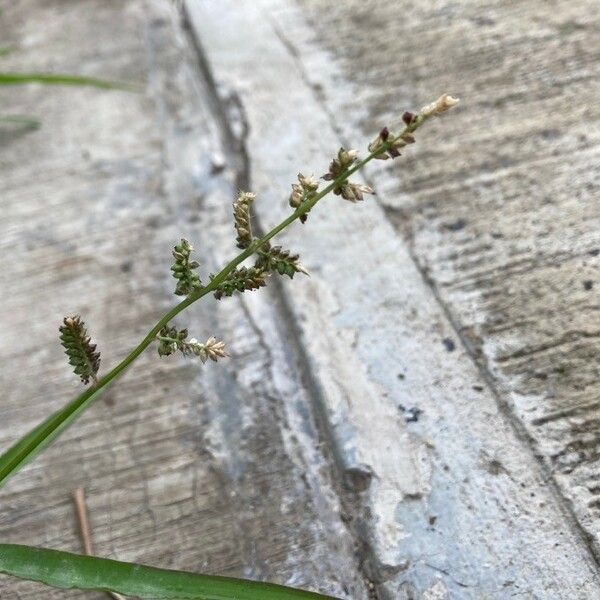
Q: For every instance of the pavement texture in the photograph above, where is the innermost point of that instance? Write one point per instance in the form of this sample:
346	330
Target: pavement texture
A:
419	418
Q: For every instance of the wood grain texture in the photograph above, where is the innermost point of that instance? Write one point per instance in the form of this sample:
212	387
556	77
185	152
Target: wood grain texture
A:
218	468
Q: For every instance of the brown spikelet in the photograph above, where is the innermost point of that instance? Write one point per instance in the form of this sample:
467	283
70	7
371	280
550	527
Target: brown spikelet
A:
79	348
305	189
241	215
278	260
240	280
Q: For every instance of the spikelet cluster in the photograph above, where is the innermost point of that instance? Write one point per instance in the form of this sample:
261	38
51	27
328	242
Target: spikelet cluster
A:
388	145
305	189
278	260
79	348
184	269
241	216
171	340
240	280
346	189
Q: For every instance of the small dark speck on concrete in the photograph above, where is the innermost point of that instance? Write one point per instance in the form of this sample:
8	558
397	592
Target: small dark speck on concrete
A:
588	284
456	225
432	520
494	467
126	266
569	27
401	376
478	388
154	222
449	344
595	252
483	21
358	478
550	134
411	414
109	399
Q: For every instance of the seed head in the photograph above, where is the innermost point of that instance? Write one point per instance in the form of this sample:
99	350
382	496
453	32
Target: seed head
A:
338	165
240	280
183	269
170	339
241	215
276	259
301	191
387	145
79	348
212	348
353	192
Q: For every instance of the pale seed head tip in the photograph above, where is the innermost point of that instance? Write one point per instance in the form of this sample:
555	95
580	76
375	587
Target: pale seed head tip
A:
441	105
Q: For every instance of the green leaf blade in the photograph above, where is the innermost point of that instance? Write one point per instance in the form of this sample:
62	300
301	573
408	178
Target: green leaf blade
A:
67	570
61	79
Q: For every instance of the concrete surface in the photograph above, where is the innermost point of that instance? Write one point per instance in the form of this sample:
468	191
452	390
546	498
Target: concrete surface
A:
417	419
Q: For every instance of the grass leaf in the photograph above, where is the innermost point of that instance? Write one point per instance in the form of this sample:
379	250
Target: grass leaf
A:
58	79
20	121
66	570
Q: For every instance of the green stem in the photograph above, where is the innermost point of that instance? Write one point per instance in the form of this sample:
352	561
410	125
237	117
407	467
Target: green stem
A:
40	437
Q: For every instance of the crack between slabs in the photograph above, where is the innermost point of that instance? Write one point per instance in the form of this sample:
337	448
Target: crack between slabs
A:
562	502
229	112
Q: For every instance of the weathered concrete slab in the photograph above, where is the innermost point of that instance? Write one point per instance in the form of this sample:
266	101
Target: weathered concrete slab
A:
502	218
456	503
215	469
344	442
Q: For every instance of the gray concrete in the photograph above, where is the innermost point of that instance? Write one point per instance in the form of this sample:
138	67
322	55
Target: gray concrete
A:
210	469
417	419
